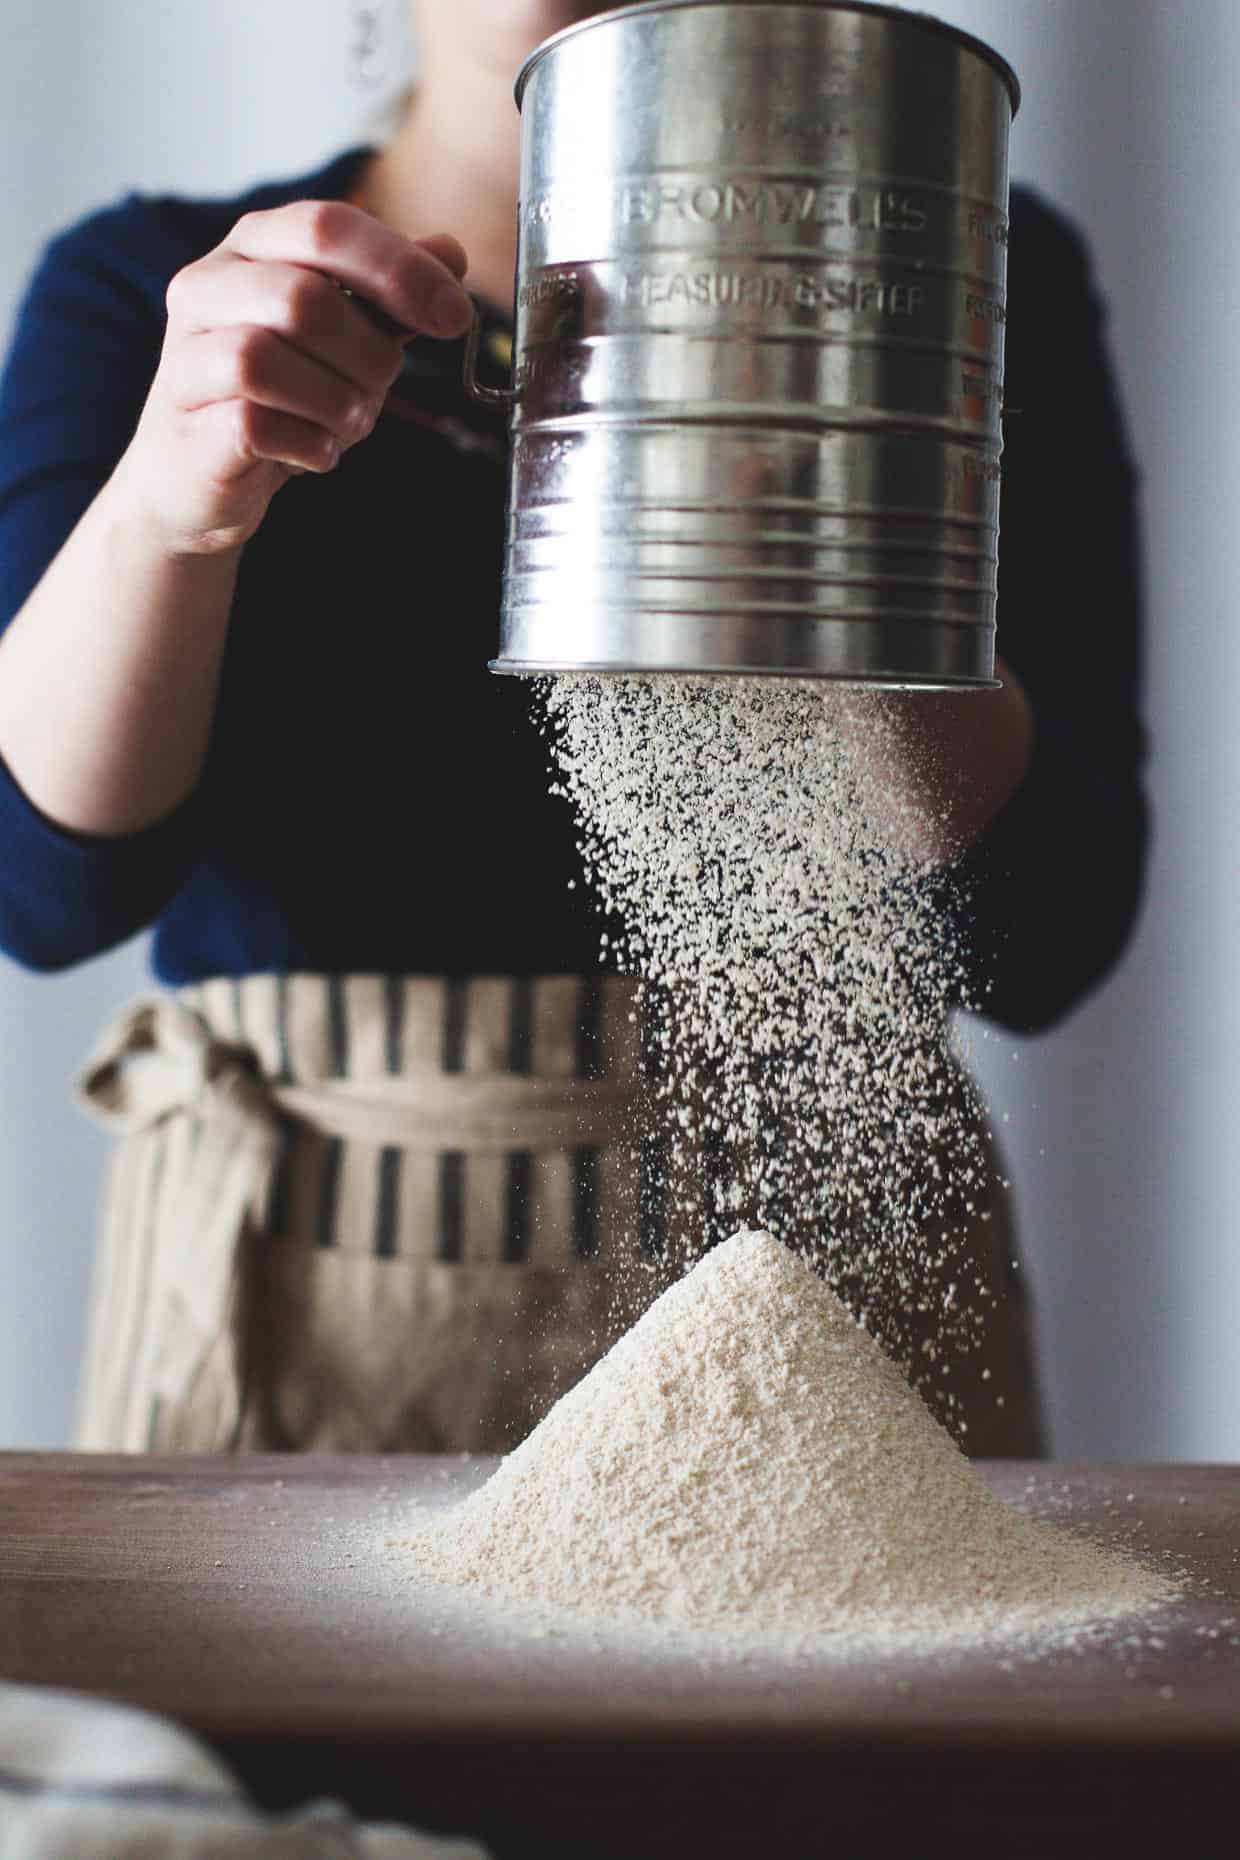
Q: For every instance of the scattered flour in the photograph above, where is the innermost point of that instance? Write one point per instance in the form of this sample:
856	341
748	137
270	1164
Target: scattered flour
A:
747	1461
765	882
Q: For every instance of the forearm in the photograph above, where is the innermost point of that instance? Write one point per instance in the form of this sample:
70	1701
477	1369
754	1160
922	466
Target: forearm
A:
936	767
1047	897
109	673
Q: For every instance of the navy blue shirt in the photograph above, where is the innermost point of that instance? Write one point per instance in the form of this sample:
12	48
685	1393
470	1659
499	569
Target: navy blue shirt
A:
374	800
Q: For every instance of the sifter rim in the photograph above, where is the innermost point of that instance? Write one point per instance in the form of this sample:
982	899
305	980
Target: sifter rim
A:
928	21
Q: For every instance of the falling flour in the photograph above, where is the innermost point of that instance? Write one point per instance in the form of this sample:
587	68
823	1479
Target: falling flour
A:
747	1461
766	881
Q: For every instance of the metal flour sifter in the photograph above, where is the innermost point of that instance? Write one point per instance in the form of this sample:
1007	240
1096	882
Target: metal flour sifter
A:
758	369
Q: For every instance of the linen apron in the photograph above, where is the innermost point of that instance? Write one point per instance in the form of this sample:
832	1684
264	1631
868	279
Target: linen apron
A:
383	1213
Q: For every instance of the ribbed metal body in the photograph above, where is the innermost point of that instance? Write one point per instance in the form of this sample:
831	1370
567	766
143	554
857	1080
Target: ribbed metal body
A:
759	345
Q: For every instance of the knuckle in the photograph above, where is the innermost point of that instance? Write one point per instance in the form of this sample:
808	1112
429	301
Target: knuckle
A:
300	298
253	358
245	426
396	278
181	288
247	230
322	223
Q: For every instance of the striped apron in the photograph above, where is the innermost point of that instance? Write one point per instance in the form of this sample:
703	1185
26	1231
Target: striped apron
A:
383	1213
361	1212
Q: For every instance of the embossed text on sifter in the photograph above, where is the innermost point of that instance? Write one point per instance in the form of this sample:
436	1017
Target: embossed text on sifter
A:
760	302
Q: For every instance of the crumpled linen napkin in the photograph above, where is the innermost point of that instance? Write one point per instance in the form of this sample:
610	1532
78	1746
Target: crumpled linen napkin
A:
85	1780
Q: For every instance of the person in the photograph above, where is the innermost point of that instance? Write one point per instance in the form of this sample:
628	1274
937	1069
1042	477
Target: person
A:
373	1178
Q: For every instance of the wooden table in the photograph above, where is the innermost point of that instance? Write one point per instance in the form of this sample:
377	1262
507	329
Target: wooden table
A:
266	1605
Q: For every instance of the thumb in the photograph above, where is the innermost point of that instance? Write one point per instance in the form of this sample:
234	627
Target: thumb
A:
448	251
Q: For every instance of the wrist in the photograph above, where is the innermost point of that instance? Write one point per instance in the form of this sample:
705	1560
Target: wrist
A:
135	505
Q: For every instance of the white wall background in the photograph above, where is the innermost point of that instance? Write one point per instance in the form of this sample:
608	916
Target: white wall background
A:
1123	1124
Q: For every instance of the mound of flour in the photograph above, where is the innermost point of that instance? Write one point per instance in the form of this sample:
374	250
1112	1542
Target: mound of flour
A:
746	1458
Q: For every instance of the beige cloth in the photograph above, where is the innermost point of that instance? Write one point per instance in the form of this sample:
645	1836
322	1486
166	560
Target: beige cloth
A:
401	1214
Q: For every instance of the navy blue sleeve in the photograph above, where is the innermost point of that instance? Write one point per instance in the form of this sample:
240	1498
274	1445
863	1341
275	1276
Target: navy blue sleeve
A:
1055	882
84	351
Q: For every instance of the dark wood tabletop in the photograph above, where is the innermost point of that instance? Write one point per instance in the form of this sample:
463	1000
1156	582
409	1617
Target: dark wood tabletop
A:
267	1604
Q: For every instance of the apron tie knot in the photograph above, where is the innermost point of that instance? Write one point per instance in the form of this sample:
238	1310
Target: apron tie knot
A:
160	1068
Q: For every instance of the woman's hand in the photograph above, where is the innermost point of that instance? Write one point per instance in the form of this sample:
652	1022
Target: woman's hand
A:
269	368
936	767
109	674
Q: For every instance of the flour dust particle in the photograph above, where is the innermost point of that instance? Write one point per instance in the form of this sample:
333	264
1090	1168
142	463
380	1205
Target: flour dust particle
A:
759	870
746	1461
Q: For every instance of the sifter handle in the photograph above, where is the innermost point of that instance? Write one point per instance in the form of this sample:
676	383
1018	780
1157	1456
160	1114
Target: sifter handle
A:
488	396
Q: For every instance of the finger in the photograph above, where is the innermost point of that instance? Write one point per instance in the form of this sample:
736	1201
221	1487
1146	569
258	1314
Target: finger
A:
247	434
306	308
440	245
252	363
412	283
449	250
